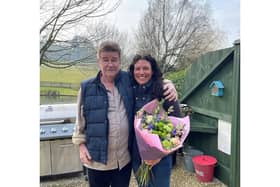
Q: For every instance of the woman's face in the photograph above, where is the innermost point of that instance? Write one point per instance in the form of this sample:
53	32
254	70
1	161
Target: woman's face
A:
142	71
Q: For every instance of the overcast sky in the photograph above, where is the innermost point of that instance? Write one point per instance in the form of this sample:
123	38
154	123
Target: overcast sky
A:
225	12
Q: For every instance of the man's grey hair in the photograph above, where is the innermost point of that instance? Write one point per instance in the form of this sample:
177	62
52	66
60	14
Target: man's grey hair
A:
109	46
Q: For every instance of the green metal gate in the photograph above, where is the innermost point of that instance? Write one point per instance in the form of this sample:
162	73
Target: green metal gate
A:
211	89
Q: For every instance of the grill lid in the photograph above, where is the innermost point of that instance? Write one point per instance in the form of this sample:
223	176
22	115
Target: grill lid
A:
56	121
57	112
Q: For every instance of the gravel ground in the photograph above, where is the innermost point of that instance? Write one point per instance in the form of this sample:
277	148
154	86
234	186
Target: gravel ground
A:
179	178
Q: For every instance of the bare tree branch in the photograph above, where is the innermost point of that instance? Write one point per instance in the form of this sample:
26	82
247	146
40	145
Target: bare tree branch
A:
60	16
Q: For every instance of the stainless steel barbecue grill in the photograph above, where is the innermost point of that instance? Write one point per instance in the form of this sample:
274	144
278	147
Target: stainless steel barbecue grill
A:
58	155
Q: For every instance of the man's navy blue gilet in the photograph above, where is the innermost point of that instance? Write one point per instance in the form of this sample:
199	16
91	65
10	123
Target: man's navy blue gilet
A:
95	109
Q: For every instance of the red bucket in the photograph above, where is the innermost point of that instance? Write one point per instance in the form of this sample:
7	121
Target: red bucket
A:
204	167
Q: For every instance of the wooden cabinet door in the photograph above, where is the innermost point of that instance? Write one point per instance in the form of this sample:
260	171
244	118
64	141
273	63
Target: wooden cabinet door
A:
45	158
65	157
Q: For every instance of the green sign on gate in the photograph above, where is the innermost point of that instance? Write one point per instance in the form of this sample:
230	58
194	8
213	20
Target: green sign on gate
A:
211	89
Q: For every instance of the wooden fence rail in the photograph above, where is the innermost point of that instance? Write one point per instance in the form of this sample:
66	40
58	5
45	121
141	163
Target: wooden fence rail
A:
60	85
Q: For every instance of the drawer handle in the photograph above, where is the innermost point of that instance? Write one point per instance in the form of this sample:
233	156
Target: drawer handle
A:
66	145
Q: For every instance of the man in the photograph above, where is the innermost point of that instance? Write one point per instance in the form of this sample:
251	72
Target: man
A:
104	123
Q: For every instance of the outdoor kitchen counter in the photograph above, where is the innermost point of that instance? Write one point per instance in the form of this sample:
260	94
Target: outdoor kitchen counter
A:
179	178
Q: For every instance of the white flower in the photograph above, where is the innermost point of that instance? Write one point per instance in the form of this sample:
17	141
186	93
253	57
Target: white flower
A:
149	119
175	141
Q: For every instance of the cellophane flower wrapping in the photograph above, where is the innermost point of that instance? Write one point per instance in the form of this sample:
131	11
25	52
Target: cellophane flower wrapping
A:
149	144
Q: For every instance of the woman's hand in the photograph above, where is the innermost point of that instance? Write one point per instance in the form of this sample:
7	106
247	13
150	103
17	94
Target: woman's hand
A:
152	162
170	92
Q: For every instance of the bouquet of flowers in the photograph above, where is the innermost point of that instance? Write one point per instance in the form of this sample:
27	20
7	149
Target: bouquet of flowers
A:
157	135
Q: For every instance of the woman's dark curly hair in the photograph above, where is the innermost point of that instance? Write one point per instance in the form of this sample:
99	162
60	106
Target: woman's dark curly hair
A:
157	79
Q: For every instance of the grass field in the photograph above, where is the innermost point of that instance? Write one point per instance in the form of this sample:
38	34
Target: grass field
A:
74	74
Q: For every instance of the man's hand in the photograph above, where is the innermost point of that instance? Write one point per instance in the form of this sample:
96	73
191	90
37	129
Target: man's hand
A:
170	92
152	162
84	154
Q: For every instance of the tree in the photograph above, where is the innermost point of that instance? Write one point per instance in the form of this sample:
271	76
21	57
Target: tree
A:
58	17
177	31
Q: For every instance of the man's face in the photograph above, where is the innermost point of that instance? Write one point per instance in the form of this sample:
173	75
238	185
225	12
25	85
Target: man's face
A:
109	63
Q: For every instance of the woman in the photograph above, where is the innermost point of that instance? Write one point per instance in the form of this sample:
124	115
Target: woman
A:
148	85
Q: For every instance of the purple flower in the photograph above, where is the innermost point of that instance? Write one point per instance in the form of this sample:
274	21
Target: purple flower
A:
150	126
174	132
158	118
